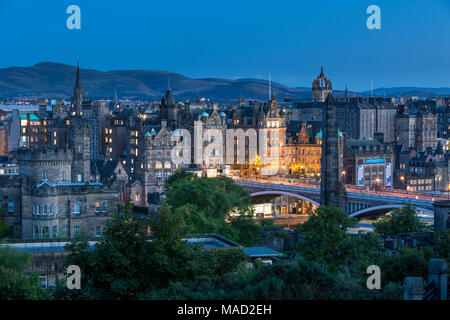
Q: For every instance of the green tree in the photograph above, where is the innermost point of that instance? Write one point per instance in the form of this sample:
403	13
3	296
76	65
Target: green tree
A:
16	285
442	244
402	220
136	255
209	205
14	259
249	232
326	240
407	262
303	280
178	175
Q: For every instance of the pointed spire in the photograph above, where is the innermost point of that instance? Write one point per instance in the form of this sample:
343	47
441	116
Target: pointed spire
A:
168	82
321	68
78	82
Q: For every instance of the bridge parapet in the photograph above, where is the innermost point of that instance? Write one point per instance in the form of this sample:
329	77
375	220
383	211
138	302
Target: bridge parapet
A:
357	202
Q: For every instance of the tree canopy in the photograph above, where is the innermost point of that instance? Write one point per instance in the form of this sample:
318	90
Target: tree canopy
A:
136	255
402	220
213	205
327	241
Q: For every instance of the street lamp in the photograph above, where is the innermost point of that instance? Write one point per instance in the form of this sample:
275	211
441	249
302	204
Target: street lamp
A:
403	181
343	176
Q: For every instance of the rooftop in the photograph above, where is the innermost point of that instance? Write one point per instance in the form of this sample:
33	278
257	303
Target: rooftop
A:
261	252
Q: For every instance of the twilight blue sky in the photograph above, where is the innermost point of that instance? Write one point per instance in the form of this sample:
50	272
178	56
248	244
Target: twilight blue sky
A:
239	39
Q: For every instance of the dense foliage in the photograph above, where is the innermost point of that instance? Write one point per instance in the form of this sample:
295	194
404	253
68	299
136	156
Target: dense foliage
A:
138	257
327	241
402	220
210	204
296	281
14	283
128	261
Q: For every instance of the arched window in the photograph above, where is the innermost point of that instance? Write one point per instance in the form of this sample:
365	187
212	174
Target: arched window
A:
55	232
50	211
45	209
45	232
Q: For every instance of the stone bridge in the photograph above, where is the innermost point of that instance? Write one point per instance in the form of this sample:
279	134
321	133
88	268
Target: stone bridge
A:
359	202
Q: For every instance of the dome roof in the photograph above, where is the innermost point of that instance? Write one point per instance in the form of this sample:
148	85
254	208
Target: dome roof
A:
222	114
204	114
147	134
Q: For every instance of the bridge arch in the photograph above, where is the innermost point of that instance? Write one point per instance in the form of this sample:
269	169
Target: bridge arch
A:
387	206
284	193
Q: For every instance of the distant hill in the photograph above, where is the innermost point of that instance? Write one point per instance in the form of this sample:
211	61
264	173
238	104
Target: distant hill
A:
410	91
56	80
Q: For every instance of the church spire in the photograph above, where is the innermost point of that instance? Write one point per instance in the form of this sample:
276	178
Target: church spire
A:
78	82
77	99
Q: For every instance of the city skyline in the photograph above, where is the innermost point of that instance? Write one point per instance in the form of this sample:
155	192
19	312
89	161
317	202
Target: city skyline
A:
242	40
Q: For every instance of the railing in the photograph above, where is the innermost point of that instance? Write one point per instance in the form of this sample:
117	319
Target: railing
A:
359	195
430	196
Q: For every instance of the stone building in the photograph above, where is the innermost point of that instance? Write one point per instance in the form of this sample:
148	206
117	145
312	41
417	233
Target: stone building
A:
321	87
368	163
44	201
364	120
303	155
416	129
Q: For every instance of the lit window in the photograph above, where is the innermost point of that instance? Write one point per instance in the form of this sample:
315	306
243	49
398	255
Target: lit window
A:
105	206
10	206
77	208
97	206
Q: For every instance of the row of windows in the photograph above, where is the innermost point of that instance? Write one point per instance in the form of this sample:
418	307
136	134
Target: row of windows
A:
99	207
44	232
44	209
421	181
52	209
